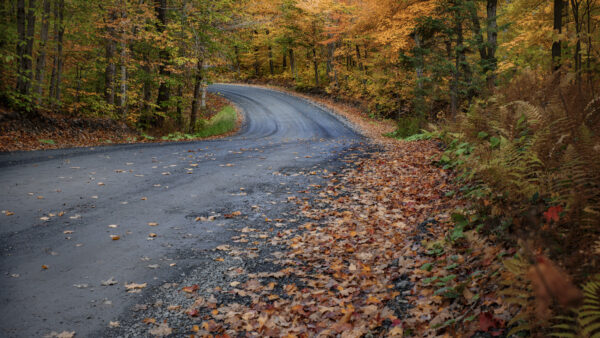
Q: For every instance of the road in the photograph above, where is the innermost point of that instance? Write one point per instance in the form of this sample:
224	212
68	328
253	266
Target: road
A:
57	250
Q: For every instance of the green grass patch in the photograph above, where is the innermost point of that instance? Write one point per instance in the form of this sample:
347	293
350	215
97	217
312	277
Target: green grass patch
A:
223	122
46	141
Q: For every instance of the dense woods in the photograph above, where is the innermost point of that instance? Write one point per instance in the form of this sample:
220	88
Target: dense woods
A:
511	87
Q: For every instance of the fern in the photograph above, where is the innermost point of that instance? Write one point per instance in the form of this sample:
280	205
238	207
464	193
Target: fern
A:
585	321
518	292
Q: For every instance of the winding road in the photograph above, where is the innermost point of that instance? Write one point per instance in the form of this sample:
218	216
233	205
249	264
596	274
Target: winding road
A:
57	251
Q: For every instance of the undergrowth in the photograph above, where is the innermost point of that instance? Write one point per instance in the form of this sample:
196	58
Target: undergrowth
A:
528	159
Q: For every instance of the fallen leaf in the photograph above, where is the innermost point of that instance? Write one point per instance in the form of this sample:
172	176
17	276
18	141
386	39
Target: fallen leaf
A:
45	267
190	289
152	224
110	281
114	324
152	235
149	321
135	286
161	330
115	237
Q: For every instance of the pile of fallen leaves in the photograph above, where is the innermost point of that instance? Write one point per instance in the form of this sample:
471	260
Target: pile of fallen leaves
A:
51	131
369	262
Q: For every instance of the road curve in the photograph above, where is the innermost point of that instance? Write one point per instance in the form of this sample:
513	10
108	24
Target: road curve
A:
56	249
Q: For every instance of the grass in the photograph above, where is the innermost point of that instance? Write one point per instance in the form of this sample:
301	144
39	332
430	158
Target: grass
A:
222	123
47	141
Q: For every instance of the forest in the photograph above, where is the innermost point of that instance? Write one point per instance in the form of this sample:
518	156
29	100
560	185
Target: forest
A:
511	88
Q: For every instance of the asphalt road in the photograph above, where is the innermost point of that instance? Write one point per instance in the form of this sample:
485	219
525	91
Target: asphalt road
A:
56	250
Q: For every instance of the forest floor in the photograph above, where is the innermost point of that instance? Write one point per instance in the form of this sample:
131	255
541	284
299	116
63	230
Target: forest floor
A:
45	130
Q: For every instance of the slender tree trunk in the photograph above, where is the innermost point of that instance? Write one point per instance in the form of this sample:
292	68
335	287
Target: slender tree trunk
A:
358	58
575	8
55	37
164	73
419	62
21	26
196	100
492	43
315	66
28	57
203	101
124	60
270	49
147	84
237	61
41	59
111	69
589	45
284	60
123	96
556	45
58	60
293	64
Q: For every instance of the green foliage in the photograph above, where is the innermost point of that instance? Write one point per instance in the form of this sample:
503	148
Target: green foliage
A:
219	124
45	141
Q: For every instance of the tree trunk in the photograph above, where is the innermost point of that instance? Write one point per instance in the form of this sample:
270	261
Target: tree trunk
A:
110	71
203	103
59	31
21	25
556	45
270	48
575	7
237	61
41	59
316	66
196	101
124	60
147	84
284	60
28	57
123	96
492	43
164	73
419	63
293	64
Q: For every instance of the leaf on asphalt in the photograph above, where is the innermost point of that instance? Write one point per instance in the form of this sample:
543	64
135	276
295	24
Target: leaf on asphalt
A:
114	324
68	232
233	214
134	287
8	213
44	267
81	286
152	235
110	281
64	334
152	224
190	289
101	183
161	330
224	247
149	321
113	226
115	237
